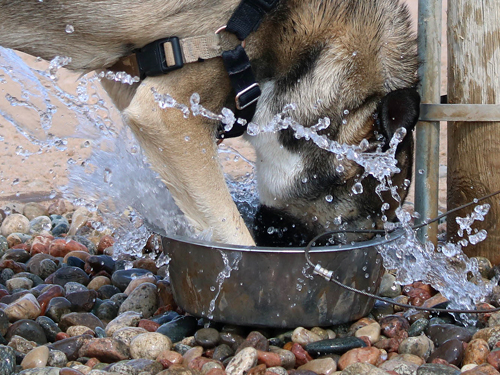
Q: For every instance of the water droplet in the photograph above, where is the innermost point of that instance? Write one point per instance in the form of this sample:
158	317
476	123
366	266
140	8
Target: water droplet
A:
355	53
304	180
329	198
346	112
52	194
15	181
340	169
386	206
421	171
70	29
357	188
187	138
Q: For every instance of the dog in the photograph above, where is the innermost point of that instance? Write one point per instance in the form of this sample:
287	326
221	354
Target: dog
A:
353	61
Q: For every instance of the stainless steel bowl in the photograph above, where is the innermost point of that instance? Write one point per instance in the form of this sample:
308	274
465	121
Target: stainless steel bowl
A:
272	287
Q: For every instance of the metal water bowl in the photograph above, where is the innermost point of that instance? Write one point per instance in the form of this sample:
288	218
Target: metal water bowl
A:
272	287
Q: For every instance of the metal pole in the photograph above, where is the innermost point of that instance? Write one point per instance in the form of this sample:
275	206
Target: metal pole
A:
427	133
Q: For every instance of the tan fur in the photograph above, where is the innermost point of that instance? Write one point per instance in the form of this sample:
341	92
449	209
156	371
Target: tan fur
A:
364	55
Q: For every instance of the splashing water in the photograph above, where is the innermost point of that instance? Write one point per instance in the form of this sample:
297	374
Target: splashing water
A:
116	179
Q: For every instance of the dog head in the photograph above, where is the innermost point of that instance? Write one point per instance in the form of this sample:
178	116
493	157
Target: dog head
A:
355	63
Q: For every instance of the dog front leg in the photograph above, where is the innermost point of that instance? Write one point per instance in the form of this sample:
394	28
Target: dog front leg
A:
184	153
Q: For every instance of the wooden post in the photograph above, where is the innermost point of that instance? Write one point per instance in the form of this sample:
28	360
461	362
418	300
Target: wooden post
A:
474	148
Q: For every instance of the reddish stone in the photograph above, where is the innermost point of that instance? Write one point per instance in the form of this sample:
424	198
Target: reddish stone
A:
14	266
106	350
198	362
38	248
256	340
61	247
418	293
363	355
366	339
83	255
62	336
105	242
21	246
69	371
393	325
148	325
494	359
209	352
218	371
92	362
484	369
301	356
168	358
288	346
103	273
146	264
44	298
257	370
3	293
440	361
268	358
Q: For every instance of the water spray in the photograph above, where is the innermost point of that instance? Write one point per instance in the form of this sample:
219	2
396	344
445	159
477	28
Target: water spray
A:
329	275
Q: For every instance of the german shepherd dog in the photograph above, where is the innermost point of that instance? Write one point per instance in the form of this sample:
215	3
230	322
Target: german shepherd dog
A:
353	61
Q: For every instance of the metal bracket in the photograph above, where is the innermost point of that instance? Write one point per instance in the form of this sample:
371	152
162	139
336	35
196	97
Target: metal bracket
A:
460	112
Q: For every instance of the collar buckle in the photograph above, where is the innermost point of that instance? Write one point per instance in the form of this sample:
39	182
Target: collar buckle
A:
160	57
247	96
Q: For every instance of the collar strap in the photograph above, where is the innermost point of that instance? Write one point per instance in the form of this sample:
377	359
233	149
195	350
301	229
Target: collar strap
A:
164	55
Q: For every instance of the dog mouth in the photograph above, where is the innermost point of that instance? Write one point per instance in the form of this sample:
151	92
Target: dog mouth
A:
274	227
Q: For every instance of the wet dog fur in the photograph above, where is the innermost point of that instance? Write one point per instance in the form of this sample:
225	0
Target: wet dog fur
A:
326	56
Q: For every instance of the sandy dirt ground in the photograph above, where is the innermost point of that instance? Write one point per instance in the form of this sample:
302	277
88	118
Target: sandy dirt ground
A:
37	177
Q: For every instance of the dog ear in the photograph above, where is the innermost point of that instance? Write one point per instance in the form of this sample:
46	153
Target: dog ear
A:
399	109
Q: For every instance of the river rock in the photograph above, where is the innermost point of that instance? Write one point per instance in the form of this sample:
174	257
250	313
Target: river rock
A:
69	274
32	210
369	355
393	325
127	319
41	371
18	283
105	350
50	328
40	224
82	300
243	361
122	278
418	327
21	345
359	368
15	223
400	365
304	336
334	346
4	323
57	307
476	352
168	358
141	366
80	319
451	351
108	291
207	337
7	360
98	282
372	331
179	328
108	310
437	369
37	357
17	255
421	346
440	333
149	345
26	307
287	358
222	352
56	359
27	329
389	287
127	334
143	299
70	346
323	366
191	354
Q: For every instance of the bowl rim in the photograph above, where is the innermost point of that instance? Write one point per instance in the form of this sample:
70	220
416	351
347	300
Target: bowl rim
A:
378	240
